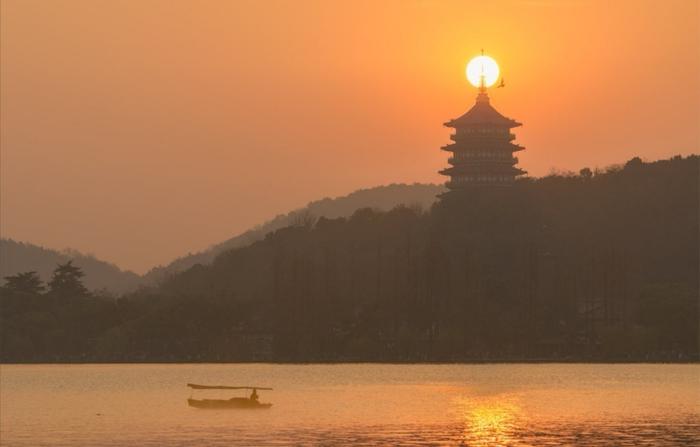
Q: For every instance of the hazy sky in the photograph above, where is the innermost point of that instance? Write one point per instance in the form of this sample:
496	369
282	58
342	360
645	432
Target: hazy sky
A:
140	130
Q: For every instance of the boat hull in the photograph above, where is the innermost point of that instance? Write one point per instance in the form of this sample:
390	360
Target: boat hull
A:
236	402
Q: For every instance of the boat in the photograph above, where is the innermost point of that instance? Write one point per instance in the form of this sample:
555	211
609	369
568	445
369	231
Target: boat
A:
250	403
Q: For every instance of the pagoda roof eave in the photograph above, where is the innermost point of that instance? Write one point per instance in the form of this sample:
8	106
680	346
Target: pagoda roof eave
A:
482	114
457	123
476	169
455	147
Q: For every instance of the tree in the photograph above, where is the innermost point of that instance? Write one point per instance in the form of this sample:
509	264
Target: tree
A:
586	173
27	282
303	218
636	162
66	281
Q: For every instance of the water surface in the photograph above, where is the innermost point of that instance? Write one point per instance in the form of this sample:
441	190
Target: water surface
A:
363	404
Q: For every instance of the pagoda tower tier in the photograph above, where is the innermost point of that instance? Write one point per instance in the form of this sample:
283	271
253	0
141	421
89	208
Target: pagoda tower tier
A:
482	152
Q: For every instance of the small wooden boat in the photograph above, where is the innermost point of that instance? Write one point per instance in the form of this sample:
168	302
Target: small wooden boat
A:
251	402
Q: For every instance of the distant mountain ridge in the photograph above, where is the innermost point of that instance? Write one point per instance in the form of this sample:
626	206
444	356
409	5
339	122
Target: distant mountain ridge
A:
17	257
381	198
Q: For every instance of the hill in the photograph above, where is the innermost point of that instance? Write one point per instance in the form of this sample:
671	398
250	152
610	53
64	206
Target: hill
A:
17	257
379	198
593	267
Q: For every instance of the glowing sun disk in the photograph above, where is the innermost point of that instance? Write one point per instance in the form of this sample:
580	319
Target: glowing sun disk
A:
482	66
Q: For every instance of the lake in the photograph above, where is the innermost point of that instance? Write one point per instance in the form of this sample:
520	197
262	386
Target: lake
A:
355	404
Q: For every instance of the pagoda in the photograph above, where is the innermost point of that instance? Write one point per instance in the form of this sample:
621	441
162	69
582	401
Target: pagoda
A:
482	148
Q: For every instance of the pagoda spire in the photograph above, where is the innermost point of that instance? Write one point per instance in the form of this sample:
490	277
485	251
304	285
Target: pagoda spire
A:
482	96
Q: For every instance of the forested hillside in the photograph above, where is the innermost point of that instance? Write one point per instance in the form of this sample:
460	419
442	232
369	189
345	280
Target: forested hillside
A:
380	198
16	257
595	266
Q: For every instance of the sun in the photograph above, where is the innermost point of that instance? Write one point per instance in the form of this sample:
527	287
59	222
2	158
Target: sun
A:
482	66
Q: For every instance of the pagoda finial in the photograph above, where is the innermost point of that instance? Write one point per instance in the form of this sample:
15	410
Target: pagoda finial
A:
482	96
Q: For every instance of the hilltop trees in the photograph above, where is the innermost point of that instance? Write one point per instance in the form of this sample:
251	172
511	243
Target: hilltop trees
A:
66	281
18	257
28	282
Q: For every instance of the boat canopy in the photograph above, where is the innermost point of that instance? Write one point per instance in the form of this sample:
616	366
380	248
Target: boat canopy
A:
194	386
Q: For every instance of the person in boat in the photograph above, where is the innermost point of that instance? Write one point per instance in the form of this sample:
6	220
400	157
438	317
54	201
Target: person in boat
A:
254	395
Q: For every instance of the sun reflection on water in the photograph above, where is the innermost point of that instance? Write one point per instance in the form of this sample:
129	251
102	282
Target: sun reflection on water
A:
490	421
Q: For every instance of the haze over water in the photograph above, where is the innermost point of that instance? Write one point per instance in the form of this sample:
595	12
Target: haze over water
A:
476	405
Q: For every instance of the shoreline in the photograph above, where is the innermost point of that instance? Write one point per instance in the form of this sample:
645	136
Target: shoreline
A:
359	362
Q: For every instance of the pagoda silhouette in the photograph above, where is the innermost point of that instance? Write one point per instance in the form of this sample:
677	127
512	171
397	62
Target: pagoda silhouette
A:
482	148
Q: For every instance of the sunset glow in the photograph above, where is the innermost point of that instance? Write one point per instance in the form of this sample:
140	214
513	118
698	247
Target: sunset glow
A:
254	223
482	66
186	119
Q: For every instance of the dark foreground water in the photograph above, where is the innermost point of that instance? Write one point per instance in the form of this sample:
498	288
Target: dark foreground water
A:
366	404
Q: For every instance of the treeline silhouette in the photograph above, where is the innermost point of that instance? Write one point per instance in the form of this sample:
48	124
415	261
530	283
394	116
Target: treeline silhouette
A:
17	257
599	266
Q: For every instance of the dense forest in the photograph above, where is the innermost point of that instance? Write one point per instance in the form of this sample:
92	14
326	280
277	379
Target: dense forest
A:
598	266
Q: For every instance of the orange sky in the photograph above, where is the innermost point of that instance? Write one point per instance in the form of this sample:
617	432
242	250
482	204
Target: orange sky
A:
141	130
